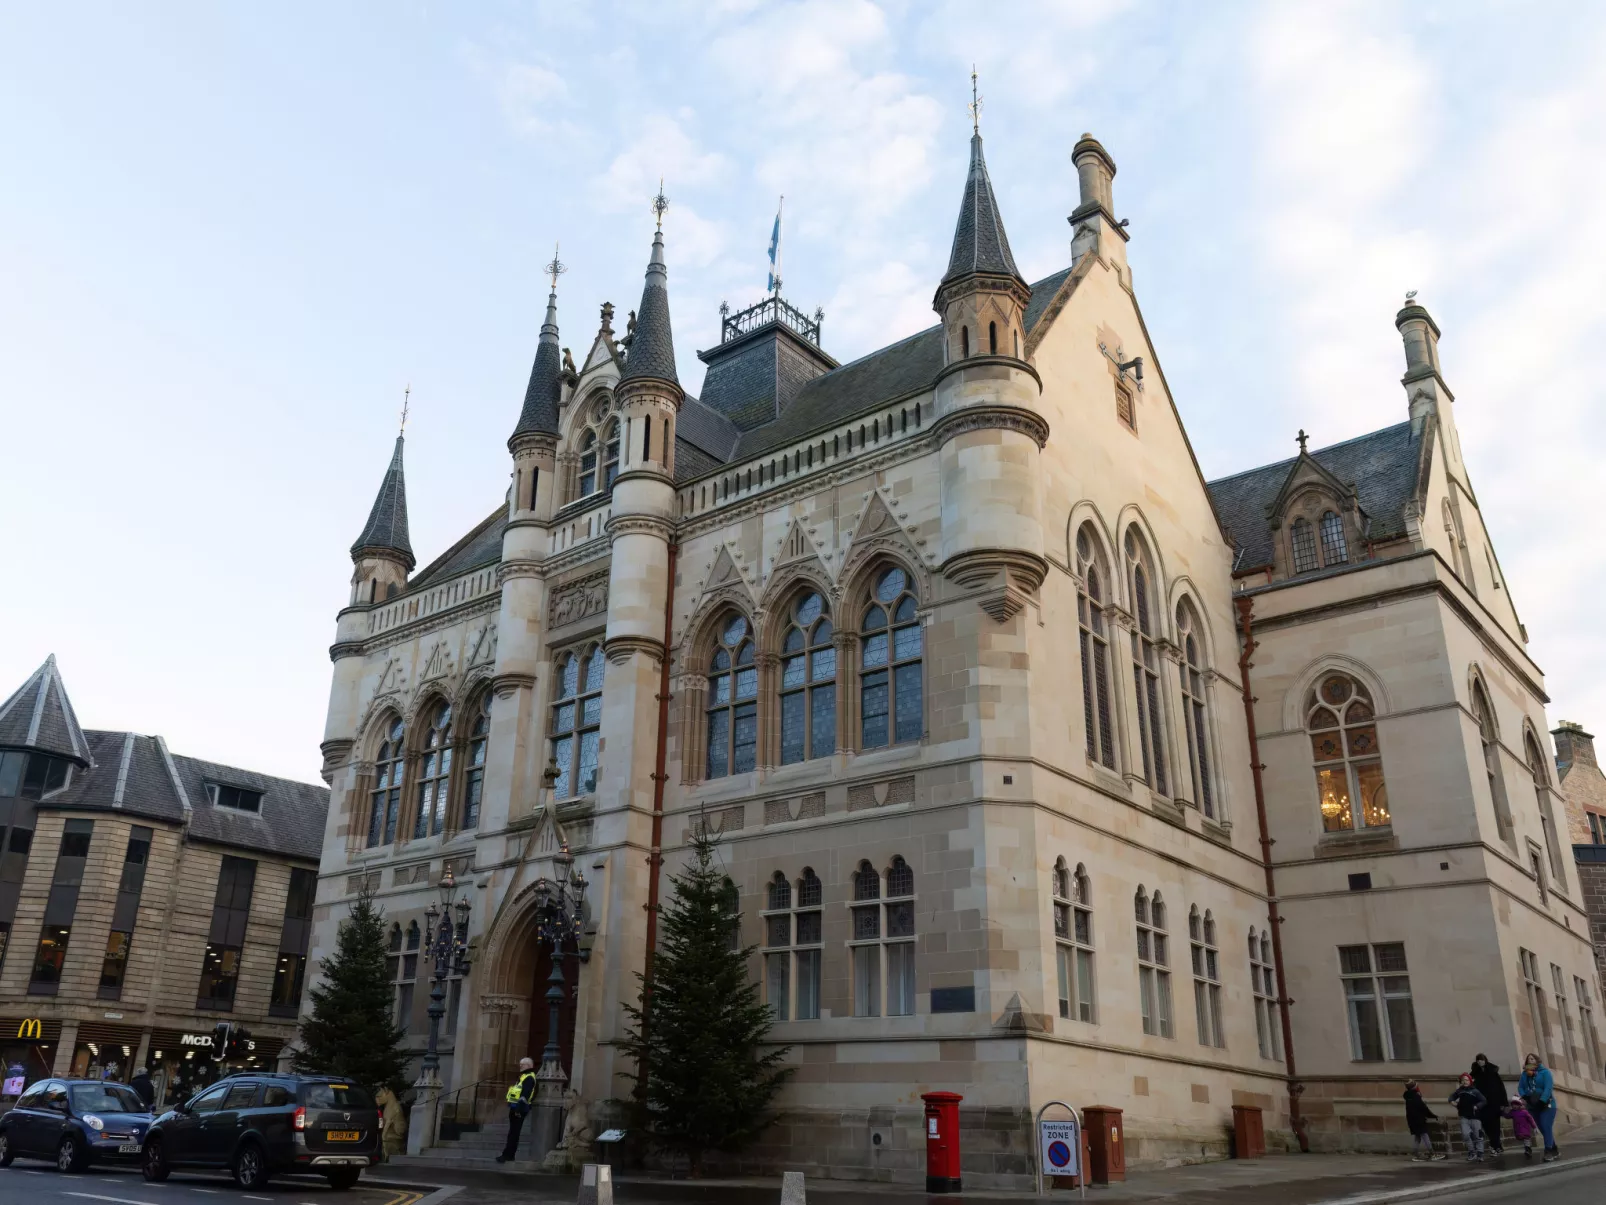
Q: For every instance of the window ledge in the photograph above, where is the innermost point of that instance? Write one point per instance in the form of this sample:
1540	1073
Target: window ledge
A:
891	755
1166	809
580	805
1359	841
1216	830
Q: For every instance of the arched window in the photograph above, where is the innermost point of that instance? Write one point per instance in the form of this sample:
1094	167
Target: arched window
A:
1073	935
1206	977
395	938
577	721
479	737
1264	987
1547	809
992	338
1349	769
882	946
889	682
780	893
732	706
808	682
792	948
588	464
1489	737
1090	601
1194	707
434	774
1335	548
1154	974
1146	665
385	798
610	453
1304	539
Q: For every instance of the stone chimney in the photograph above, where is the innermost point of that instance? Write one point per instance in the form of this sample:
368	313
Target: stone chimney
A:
1573	744
1093	220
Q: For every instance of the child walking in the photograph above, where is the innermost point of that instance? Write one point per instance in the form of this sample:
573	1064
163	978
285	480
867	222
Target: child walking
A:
1524	1124
1417	1116
1468	1102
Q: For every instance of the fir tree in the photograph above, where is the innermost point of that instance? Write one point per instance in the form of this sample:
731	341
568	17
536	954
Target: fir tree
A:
351	1031
702	1083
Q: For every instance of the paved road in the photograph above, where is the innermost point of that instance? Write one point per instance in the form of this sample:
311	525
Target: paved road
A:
29	1183
1582	1186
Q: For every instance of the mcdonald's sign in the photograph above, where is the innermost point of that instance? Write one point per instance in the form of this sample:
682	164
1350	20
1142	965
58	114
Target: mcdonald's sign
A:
32	1029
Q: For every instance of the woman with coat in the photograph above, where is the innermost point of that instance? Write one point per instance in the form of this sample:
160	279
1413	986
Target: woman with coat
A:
1486	1079
1538	1090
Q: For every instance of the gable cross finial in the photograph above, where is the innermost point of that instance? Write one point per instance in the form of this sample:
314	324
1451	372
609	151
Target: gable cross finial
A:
407	396
975	103
1303	439
660	203
556	268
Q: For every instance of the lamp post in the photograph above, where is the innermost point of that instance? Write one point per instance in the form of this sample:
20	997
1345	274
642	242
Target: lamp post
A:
446	946
559	918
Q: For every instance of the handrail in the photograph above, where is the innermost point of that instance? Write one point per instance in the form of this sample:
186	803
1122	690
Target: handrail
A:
454	1096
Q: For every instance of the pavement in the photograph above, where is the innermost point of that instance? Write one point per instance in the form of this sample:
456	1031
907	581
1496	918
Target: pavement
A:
27	1182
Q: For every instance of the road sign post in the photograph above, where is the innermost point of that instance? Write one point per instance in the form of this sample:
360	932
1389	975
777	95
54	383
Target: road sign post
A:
1059	1147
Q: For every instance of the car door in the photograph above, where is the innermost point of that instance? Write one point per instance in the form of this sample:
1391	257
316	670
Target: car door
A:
22	1123
181	1134
50	1121
222	1128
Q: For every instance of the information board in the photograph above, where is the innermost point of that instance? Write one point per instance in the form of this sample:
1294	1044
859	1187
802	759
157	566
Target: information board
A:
1060	1146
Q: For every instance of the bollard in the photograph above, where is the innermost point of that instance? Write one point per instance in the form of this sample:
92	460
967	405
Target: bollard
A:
792	1188
596	1184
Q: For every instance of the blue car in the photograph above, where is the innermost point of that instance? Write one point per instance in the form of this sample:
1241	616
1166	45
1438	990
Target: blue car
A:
75	1122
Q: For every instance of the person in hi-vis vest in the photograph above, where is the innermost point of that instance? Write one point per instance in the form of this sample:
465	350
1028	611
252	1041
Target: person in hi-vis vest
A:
519	1097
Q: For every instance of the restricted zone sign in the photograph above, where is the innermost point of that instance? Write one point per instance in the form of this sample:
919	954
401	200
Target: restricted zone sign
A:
1061	1147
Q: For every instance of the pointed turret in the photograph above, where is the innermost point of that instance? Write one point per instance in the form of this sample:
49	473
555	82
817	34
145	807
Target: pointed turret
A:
652	350
545	391
39	716
980	244
382	554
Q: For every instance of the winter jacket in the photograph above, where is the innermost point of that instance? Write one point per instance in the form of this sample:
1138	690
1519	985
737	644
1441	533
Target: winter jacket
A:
1540	1085
1467	1101
1417	1113
1522	1121
1488	1082
143	1088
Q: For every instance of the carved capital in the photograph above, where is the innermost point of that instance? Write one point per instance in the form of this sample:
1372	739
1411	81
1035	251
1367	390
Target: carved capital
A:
508	684
620	649
1005	579
651	525
509	570
335	754
989	418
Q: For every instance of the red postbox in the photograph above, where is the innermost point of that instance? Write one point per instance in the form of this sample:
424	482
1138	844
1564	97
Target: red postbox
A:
942	1141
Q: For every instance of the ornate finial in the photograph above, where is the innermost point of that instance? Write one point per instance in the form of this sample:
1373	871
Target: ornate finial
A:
556	268
660	203
724	309
819	313
1410	297
407	396
974	107
1303	439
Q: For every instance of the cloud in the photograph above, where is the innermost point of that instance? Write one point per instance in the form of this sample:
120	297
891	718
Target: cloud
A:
531	95
661	150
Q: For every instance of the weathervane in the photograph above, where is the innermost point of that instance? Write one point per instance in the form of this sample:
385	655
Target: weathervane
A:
660	203
407	396
974	107
556	268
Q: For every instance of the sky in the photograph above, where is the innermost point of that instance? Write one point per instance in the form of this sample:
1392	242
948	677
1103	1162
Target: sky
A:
231	235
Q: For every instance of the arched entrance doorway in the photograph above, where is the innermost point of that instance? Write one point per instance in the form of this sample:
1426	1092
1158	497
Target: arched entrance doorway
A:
541	1007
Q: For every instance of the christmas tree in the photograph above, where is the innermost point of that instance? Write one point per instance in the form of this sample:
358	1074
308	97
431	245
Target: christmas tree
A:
702	1083
351	1031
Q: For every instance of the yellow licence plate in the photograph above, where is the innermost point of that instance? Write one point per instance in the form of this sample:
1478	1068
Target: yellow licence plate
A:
344	1135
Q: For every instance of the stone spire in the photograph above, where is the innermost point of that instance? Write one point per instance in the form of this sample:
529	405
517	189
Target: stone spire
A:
540	413
652	351
39	716
980	244
385	535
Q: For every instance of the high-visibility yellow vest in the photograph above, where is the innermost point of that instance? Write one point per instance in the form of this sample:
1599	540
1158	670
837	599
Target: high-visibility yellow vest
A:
516	1092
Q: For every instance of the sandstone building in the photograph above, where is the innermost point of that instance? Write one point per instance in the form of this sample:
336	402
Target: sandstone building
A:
144	898
945	643
1583	787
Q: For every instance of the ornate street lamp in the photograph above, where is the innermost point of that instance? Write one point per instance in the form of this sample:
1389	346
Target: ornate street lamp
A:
559	919
446	944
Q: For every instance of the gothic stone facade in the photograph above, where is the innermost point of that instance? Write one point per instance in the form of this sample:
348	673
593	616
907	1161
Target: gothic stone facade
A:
952	637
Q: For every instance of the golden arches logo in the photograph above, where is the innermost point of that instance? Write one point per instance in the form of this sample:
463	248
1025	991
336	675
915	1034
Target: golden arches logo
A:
33	1029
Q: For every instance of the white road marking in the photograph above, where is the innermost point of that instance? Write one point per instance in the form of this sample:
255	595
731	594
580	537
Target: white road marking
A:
95	1196
249	1197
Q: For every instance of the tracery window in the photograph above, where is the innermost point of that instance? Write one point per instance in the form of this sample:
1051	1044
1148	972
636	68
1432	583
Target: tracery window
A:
434	774
1264	986
1206	977
474	781
1095	642
1489	738
1146	666
589	448
1154	965
792	939
1335	548
577	721
890	664
1304	540
599	459
1194	707
1349	769
1547	808
732	701
808	682
882	945
1073	935
385	798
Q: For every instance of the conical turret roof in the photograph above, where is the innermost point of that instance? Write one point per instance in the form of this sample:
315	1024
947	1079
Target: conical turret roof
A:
980	244
652	349
540	413
40	716
386	530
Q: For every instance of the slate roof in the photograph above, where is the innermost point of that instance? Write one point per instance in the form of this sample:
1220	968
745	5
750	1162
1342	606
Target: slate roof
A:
482	545
541	396
137	775
39	715
386	529
980	244
1381	464
652	347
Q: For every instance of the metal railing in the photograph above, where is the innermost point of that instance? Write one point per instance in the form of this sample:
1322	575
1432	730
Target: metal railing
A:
771	309
466	1109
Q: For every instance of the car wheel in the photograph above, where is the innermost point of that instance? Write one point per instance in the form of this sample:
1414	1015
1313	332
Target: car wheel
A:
70	1154
7	1155
155	1162
250	1168
344	1177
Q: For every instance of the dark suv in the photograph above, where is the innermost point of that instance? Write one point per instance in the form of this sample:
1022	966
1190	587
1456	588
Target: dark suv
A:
75	1123
257	1125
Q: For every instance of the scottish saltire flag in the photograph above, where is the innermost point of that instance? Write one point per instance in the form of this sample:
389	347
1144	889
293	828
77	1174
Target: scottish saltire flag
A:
775	250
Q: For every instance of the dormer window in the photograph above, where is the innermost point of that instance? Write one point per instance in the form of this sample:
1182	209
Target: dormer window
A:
1304	538
240	799
1335	549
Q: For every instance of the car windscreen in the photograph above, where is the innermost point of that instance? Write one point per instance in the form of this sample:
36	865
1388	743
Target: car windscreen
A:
335	1096
105	1098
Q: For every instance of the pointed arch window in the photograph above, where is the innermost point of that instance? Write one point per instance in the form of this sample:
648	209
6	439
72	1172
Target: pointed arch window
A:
1264	987
588	464
385	798
883	941
1489	738
1095	642
1547	807
1154	965
1073	936
1146	665
792	935
1304	540
1335	548
891	644
808	682
1195	707
577	720
434	774
479	738
732	701
1349	770
610	453
1206	977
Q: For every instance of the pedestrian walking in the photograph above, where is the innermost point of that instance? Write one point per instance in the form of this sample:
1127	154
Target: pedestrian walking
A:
1538	1091
1486	1079
143	1088
1523	1125
1417	1116
519	1098
1468	1102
